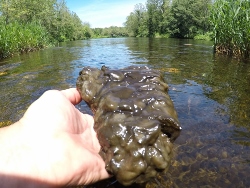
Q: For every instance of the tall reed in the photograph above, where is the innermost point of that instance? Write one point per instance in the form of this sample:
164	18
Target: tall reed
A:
231	27
19	38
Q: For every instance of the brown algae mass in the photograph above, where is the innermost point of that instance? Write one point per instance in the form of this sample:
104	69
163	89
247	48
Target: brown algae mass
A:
135	120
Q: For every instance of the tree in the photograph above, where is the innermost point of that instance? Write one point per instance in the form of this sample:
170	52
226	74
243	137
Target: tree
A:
136	23
165	15
27	10
5	11
179	18
155	9
201	10
188	17
87	32
28	25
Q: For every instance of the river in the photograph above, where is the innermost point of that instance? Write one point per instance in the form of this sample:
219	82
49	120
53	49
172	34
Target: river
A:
210	94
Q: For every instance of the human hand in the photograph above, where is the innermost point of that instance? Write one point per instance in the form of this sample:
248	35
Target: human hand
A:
54	143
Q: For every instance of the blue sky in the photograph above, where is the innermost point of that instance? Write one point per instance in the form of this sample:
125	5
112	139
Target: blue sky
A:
103	13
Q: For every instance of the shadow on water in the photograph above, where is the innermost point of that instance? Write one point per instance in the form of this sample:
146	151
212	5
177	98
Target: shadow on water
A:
210	94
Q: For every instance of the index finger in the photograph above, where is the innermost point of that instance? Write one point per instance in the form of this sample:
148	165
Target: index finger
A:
72	95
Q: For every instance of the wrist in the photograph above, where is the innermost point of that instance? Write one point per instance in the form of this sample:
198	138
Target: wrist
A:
9	149
15	159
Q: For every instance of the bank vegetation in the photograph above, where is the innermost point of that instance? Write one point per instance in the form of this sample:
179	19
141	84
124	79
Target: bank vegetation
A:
231	29
170	18
27	25
226	22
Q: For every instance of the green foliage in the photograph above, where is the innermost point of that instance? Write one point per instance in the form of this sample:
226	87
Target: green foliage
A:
26	10
188	18
155	16
207	36
136	23
17	38
114	31
110	32
66	25
158	35
86	32
181	19
176	18
231	28
31	24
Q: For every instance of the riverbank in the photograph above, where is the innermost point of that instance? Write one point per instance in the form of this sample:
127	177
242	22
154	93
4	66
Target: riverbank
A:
16	38
231	29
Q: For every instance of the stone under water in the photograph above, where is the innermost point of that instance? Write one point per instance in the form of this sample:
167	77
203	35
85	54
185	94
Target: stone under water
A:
135	120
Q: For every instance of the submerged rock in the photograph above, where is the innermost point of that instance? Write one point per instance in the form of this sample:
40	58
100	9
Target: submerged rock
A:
135	120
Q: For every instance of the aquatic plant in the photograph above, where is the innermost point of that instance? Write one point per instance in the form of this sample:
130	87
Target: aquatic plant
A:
231	28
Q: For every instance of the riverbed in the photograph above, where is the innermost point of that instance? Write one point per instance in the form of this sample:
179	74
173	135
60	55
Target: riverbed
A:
210	94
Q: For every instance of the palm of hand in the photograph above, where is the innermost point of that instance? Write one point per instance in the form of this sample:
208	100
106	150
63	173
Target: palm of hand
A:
61	141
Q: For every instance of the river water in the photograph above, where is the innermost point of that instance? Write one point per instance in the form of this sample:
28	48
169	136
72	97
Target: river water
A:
210	94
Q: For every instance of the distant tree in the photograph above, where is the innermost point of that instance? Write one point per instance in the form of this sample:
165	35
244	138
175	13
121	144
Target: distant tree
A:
179	18
66	24
155	9
27	10
87	31
54	15
5	11
188	17
166	15
136	22
202	13
112	31
97	32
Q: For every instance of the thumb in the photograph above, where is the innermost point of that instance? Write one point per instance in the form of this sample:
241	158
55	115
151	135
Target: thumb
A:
72	95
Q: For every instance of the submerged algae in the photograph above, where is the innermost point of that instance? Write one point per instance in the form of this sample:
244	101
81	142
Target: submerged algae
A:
135	120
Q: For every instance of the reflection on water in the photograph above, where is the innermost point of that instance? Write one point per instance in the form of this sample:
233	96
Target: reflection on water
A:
210	93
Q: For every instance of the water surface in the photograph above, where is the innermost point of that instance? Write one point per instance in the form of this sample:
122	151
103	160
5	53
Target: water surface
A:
210	94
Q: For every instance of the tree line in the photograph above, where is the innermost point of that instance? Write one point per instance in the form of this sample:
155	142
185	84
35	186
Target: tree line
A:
170	18
27	25
226	22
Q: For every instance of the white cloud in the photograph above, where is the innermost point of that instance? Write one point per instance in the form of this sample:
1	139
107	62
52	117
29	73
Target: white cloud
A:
101	14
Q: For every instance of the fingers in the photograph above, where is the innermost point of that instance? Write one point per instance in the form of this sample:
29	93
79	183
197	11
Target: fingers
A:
72	95
100	173
94	169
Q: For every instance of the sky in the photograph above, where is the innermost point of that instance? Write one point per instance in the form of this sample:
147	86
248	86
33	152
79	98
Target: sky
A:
103	13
